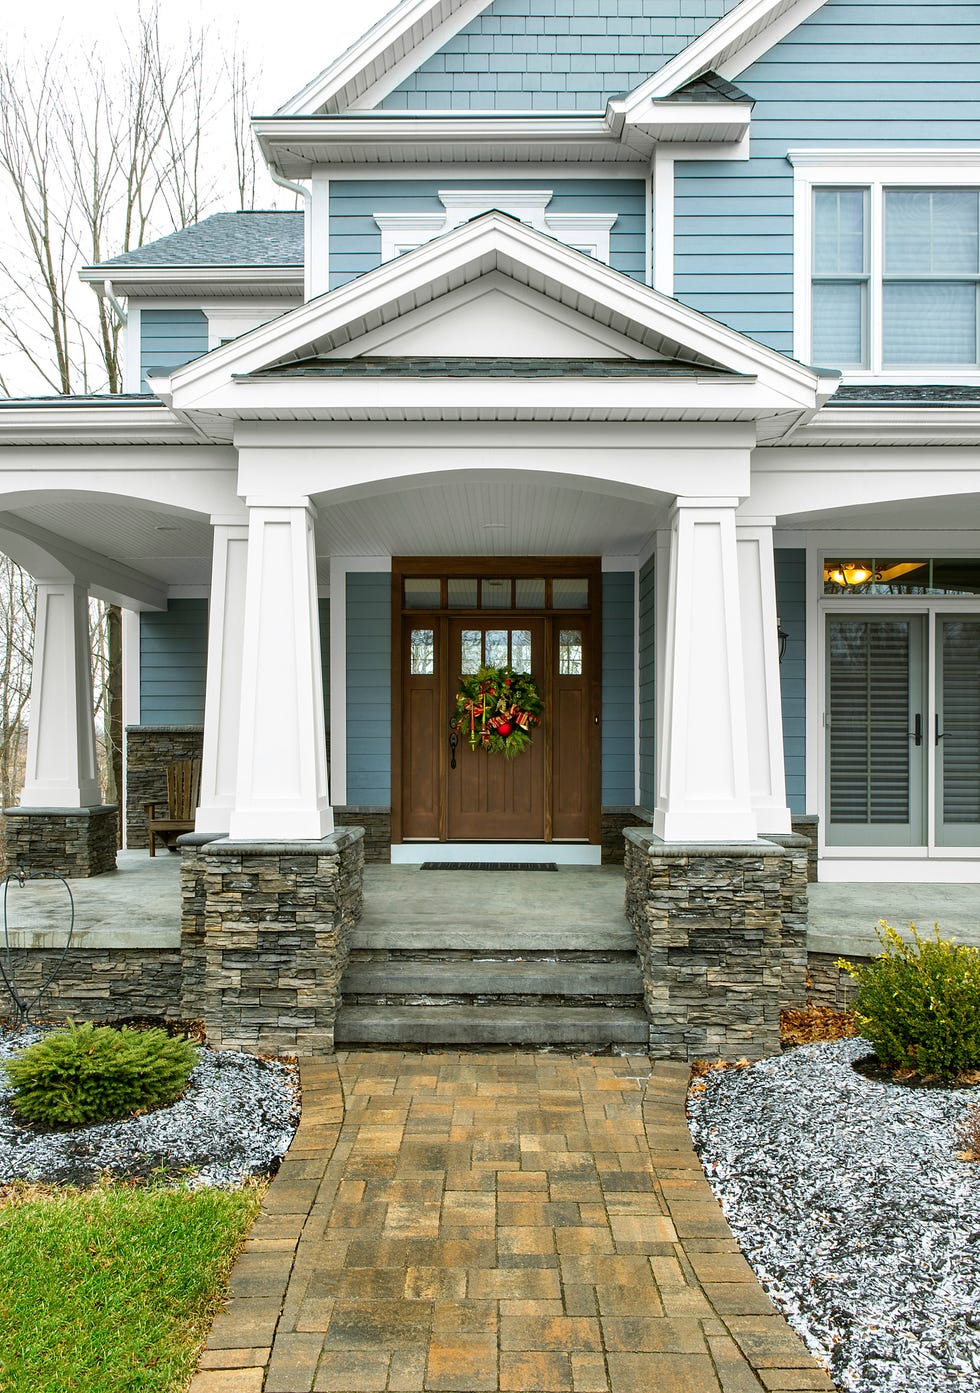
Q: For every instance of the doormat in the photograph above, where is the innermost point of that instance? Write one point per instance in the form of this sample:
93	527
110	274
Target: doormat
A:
488	866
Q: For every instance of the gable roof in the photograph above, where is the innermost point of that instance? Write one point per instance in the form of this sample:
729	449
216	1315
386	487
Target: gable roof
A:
416	29
224	239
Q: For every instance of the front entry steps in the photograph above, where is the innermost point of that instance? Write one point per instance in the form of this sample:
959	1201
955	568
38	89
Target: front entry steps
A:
482	958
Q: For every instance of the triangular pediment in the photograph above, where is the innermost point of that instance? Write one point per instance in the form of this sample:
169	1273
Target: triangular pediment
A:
491	291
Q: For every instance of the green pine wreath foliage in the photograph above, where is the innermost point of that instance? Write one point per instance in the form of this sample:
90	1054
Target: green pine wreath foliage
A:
88	1074
496	710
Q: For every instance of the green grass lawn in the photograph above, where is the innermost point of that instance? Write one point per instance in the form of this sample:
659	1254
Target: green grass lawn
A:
112	1290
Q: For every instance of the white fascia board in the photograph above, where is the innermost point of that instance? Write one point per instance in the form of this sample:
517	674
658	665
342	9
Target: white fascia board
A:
418	26
881	425
79	422
960	163
125	277
730	46
696	122
493	242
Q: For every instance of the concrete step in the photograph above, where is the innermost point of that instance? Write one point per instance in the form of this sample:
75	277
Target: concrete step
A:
592	1026
424	936
405	976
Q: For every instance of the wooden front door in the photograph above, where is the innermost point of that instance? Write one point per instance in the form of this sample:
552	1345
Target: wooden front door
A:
503	613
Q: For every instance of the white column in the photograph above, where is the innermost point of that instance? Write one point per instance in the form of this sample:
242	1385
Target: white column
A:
61	767
760	652
703	791
223	693
281	791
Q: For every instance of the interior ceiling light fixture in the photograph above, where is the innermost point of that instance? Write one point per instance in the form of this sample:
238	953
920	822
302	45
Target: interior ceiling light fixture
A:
851	573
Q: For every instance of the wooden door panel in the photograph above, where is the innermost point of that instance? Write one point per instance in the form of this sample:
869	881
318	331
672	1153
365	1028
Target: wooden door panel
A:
570	809
421	755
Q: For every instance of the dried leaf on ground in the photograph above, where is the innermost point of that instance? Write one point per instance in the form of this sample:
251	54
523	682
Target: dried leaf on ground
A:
809	1024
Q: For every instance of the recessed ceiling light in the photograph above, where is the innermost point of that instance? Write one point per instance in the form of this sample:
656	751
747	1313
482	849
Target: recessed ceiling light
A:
495	524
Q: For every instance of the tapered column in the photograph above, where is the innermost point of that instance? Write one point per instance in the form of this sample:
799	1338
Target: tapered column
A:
223	693
281	789
760	652
703	781
61	767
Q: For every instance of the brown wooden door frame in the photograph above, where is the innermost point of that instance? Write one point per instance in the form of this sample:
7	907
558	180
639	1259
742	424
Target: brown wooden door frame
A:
488	567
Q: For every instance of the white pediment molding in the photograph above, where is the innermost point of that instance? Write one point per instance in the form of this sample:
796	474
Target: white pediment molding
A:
492	245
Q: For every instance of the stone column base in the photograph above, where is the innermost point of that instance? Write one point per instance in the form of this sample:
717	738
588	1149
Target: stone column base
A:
265	937
721	936
73	842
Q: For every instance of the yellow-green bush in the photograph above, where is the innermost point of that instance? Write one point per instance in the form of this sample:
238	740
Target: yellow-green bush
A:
918	1002
88	1074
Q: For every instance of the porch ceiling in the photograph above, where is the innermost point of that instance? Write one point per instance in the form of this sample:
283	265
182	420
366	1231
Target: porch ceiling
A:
497	516
954	513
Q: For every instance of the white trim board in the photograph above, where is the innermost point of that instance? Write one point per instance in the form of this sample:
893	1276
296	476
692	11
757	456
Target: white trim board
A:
527	853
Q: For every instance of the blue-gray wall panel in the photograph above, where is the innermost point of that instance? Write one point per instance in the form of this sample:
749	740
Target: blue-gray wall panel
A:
355	239
648	688
791	608
368	688
564	55
173	663
618	688
170	338
858	72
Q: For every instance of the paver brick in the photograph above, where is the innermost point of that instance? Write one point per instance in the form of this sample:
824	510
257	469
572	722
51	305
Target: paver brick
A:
534	1373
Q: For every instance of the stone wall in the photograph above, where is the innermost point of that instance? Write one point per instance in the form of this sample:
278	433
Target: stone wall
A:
828	985
376	823
615	821
721	937
73	842
149	750
805	825
99	984
265	932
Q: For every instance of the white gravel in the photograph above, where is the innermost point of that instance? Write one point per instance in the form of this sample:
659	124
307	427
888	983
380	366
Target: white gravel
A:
847	1198
235	1121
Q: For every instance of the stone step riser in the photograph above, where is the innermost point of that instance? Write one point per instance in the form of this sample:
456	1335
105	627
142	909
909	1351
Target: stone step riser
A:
491	1025
525	980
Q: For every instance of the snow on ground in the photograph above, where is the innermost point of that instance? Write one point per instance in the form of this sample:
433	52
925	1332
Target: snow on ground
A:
235	1121
847	1198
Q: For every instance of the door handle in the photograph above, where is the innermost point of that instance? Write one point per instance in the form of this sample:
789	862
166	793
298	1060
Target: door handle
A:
939	733
453	742
916	731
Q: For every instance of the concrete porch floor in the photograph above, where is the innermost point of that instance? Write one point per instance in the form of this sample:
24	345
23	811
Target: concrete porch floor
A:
479	909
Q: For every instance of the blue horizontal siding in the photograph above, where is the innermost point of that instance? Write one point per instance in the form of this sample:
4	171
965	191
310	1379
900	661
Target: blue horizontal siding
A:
564	55
858	72
170	338
369	688
791	608
173	663
355	239
648	686
618	688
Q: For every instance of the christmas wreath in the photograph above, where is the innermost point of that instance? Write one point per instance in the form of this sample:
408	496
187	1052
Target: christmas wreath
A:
496	710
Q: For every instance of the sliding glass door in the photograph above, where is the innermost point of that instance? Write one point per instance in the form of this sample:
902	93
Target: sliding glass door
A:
956	731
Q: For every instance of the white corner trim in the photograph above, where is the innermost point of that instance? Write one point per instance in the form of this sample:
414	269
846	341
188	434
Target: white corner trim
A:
585	232
663	221
728	47
376	63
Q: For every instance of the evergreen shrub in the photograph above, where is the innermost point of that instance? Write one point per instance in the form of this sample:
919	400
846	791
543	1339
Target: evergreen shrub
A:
918	1002
87	1074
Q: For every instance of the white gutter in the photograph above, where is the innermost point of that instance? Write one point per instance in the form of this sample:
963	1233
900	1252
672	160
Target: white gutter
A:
306	195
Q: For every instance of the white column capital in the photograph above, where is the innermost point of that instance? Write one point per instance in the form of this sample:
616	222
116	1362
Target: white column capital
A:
741	522
286	503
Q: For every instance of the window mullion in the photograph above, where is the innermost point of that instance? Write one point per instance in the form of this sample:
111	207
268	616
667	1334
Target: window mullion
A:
876	250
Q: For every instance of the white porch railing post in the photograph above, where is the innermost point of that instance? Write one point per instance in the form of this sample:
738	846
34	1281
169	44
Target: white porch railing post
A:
281	792
61	765
760	652
703	788
223	692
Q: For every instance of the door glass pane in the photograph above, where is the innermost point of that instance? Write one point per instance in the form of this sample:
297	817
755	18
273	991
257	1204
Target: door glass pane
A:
869	710
495	593
570	653
495	647
422	593
462	593
471	654
570	593
520	650
422	653
530	592
960	721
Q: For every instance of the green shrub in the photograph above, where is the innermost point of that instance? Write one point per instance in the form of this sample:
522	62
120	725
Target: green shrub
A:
89	1074
918	1003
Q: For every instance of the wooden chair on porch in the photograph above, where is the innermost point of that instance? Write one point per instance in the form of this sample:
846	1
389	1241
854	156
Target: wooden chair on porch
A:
183	793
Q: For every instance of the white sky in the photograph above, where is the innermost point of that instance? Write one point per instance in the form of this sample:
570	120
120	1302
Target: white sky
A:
290	41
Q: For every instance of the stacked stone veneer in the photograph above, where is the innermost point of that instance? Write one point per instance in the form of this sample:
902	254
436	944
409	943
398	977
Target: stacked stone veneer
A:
265	934
99	984
149	750
721	937
615	821
73	842
376	822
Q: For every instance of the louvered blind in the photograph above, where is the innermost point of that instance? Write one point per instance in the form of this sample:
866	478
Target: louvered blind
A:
961	720
869	720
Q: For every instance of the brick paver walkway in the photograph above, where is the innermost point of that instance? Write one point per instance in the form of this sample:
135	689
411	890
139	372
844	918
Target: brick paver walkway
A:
507	1221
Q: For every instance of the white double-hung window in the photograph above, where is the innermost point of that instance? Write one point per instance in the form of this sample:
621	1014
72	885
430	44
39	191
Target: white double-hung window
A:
888	262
